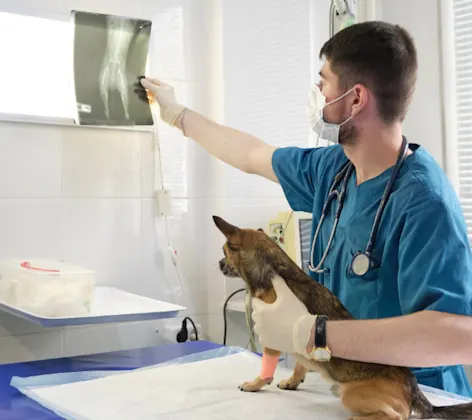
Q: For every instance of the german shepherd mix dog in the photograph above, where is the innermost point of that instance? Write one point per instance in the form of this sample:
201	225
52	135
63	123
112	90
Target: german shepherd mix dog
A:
370	391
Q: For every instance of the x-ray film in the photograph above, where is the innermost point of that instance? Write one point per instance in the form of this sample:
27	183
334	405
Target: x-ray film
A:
110	53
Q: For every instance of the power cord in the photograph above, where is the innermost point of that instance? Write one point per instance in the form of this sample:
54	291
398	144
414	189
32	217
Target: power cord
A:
225	321
159	171
182	335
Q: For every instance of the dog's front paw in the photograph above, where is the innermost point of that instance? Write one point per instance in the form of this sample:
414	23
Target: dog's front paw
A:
290	384
255	385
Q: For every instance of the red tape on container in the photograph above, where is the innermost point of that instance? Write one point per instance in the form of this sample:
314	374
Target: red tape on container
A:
27	264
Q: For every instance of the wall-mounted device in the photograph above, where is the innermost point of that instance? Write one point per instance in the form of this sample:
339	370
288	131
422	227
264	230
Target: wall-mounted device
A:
342	13
292	232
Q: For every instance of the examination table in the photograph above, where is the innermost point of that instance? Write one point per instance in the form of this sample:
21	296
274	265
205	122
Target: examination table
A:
16	406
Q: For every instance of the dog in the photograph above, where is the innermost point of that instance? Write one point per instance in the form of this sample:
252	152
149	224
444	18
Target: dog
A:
370	391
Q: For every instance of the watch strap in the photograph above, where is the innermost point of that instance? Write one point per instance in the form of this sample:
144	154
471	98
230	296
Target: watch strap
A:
320	331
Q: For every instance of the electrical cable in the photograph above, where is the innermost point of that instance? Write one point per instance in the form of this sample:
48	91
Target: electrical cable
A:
194	326
182	335
158	164
225	321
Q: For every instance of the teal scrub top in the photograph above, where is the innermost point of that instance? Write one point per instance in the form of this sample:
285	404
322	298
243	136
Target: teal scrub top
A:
421	245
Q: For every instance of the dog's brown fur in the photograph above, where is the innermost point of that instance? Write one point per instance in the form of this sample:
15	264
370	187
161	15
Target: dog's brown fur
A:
370	391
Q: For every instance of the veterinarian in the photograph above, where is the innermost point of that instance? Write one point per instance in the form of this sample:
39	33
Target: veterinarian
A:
412	292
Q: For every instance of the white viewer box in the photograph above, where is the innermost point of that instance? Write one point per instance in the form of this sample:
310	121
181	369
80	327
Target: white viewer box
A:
46	287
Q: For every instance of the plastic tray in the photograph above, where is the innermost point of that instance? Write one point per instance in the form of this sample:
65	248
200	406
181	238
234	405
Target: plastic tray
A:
110	305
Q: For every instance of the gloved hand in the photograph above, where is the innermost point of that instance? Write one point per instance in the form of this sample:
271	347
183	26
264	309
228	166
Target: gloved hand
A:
284	325
164	95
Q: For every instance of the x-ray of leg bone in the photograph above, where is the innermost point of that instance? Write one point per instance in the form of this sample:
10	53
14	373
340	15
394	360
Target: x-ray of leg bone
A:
113	74
110	53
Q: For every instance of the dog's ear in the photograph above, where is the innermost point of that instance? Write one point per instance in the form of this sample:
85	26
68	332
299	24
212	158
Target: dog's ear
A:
226	228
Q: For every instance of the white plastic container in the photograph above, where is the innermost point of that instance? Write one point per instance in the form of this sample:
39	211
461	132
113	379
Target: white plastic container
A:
47	288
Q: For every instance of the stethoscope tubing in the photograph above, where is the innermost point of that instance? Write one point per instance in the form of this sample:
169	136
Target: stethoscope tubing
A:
345	174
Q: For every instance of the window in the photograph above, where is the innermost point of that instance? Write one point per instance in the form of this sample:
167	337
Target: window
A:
267	76
462	14
36	66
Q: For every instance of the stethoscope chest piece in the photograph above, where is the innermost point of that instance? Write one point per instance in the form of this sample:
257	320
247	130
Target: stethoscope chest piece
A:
361	263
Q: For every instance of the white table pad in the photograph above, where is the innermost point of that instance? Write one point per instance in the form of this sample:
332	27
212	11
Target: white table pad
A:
206	390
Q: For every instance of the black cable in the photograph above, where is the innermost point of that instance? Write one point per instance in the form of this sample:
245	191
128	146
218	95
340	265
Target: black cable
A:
194	327
224	312
182	335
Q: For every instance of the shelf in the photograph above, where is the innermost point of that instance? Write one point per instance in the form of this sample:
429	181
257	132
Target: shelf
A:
110	305
236	305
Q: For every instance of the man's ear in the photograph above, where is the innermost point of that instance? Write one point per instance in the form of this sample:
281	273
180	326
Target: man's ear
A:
225	228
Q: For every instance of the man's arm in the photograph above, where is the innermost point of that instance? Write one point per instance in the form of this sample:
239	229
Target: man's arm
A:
423	339
297	170
238	149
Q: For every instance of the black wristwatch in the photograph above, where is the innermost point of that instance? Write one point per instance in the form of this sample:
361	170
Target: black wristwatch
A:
321	352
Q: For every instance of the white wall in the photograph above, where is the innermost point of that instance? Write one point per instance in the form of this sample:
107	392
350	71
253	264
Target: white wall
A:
82	195
424	122
85	195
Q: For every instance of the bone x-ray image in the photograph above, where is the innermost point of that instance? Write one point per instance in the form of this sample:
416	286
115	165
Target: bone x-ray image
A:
110	54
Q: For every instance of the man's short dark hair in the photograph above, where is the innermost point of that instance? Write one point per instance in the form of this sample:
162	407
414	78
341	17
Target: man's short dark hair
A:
380	56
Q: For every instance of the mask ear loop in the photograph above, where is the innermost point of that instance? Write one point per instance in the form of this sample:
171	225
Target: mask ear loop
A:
344	122
340	97
337	99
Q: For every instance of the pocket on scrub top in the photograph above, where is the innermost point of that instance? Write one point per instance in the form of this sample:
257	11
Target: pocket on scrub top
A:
361	294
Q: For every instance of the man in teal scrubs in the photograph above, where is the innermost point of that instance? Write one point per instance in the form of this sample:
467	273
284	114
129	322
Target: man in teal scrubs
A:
411	305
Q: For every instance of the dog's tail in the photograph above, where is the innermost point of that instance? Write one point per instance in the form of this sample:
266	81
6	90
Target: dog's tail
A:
425	410
460	411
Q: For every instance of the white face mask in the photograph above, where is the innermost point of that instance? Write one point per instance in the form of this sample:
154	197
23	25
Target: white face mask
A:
324	130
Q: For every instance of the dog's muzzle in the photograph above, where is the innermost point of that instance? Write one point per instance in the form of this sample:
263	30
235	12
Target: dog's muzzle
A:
226	269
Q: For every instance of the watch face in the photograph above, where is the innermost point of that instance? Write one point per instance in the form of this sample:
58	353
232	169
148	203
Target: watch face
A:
321	354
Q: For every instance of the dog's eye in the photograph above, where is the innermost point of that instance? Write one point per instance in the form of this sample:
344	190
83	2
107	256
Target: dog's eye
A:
233	248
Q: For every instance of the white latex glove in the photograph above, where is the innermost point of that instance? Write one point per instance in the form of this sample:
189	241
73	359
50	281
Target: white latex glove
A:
284	325
164	95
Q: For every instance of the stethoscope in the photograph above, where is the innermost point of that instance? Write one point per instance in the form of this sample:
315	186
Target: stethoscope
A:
362	261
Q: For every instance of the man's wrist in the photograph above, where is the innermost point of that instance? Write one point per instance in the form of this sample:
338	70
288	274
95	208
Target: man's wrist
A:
171	114
311	342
